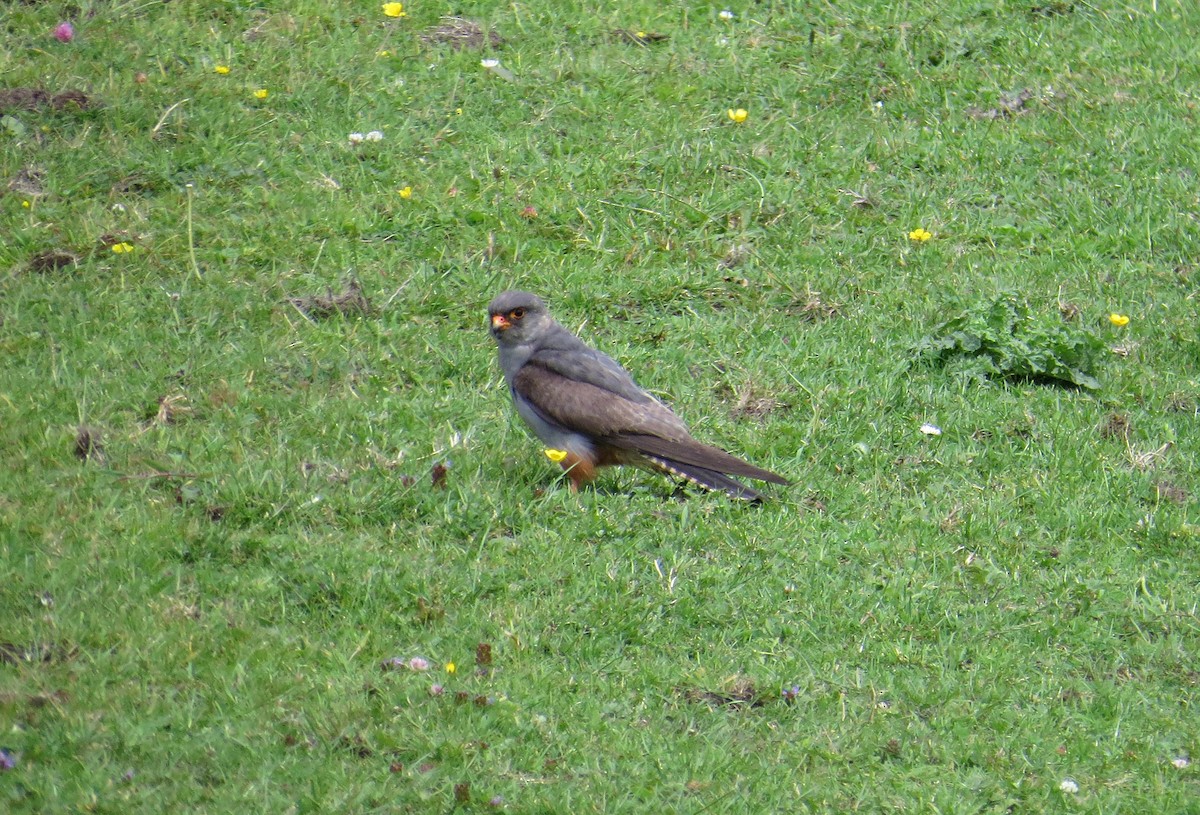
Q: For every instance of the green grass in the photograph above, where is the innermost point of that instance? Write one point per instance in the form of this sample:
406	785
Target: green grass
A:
195	615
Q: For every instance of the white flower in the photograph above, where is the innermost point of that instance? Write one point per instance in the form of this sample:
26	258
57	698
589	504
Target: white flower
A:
356	138
1069	786
726	15
931	429
722	42
1180	762
489	63
374	135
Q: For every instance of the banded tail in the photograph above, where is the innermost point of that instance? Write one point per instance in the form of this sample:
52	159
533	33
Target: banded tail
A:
703	477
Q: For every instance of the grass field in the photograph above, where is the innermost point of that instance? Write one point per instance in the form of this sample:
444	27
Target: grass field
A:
273	540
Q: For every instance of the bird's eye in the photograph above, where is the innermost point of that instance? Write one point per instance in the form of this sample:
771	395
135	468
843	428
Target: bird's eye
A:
517	313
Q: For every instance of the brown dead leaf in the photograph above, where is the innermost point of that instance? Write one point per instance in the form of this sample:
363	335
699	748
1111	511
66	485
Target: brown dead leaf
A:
172	408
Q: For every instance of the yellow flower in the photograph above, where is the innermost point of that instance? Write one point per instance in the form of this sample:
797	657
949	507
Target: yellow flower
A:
394	9
222	69
26	204
451	667
738	116
641	35
261	93
557	456
406	193
383	53
919	235
1118	320
122	248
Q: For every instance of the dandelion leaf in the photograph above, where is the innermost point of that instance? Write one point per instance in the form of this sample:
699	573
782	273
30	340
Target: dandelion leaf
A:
1003	339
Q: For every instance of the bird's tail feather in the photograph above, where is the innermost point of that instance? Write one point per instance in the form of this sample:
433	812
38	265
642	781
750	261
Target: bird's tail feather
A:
694	455
709	479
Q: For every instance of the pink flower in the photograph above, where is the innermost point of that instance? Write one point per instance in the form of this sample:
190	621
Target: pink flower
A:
64	32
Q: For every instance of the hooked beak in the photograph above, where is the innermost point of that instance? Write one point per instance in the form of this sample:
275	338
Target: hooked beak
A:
500	323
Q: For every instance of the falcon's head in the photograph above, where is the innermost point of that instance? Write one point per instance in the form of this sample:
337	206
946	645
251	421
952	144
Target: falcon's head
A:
517	317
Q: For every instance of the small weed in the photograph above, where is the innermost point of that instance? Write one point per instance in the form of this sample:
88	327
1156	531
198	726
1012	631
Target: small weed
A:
1003	340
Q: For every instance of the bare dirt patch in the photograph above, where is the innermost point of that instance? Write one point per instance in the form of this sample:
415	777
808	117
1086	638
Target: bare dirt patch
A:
87	444
40	99
1166	491
460	34
12	653
28	181
740	693
754	403
349	302
52	260
1011	104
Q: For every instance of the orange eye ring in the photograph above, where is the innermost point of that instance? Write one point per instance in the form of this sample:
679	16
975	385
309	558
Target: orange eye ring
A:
516	314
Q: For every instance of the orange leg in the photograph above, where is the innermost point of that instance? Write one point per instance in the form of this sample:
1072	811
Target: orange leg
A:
580	470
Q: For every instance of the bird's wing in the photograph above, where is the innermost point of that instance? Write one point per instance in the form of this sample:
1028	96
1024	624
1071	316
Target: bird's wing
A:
569	357
591	408
647	427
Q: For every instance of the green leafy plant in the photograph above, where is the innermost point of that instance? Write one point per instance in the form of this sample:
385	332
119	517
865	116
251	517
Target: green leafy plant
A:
1003	340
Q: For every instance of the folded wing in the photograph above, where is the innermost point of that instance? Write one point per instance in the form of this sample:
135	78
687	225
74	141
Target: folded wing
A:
647	427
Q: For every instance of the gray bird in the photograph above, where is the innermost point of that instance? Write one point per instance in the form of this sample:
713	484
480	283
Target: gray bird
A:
582	403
